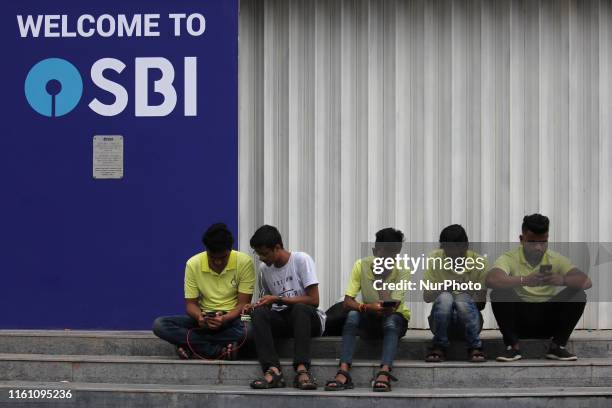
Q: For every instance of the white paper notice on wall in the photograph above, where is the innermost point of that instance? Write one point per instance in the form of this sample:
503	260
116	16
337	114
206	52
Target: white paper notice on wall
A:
107	157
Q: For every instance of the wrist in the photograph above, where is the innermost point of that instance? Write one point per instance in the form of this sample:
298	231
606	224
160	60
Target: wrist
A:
279	299
522	280
362	308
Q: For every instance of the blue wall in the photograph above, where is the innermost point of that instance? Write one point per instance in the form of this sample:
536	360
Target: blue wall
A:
82	253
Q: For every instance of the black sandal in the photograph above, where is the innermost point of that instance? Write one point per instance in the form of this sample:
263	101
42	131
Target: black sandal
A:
262	384
335	385
308	384
382	386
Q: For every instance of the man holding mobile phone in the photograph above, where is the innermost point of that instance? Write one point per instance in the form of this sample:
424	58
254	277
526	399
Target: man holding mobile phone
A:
381	313
288	307
524	298
455	315
218	284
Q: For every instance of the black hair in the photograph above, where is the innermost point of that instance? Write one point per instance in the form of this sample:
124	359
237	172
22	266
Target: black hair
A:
218	238
453	237
453	233
536	223
266	236
391	238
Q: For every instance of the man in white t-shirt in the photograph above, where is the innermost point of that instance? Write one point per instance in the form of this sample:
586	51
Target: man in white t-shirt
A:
288	307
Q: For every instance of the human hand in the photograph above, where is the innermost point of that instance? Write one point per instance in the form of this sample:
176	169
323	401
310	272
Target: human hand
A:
247	309
553	279
215	323
376	307
266	300
533	279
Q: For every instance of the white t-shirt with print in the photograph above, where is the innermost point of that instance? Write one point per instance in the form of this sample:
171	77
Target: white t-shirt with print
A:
290	280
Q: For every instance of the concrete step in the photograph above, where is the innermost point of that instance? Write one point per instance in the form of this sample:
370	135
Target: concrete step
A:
585	372
413	346
98	395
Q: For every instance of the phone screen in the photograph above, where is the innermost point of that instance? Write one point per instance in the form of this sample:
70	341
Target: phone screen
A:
545	269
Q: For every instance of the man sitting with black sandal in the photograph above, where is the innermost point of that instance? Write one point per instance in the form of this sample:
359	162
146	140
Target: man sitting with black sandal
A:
382	313
218	283
288	308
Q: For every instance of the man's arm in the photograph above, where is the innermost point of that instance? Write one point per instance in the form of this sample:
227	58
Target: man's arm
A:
193	309
498	279
216	322
351	304
575	279
310	298
243	299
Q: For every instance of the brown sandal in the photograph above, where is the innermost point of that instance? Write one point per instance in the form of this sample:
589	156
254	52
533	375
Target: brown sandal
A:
476	355
436	355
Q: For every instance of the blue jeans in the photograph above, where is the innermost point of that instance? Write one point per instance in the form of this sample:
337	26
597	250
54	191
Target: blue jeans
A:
207	343
391	327
456	313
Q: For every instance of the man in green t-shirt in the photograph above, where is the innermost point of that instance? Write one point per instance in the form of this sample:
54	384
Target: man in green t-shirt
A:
524	299
382	312
218	284
455	312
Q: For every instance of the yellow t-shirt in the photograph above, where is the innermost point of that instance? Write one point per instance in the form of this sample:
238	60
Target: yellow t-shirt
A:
219	291
475	272
362	281
514	264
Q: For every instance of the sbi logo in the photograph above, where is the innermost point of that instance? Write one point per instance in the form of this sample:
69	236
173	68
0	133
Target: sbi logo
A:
54	87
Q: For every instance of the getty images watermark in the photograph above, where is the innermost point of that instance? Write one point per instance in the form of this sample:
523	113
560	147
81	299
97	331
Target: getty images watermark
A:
456	265
420	267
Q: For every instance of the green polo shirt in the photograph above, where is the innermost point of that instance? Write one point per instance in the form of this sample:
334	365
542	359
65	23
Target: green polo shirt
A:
362	281
219	291
514	264
474	273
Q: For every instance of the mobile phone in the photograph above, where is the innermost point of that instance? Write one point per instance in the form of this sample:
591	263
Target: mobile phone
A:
390	303
211	314
545	269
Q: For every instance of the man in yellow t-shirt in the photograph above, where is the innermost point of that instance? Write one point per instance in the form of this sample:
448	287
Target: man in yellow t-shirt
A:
455	312
524	298
218	284
382	312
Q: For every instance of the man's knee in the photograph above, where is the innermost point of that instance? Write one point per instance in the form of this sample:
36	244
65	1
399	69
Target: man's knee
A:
393	323
503	295
352	319
464	304
443	303
301	309
159	325
261	313
575	295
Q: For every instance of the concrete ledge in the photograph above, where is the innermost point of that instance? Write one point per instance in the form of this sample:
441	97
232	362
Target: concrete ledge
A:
143	343
416	375
134	395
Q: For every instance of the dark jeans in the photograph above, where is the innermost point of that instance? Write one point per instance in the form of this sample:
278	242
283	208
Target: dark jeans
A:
554	318
207	343
371	326
298	321
455	317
